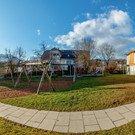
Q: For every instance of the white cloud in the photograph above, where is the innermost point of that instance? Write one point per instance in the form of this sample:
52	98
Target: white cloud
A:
76	18
38	32
126	5
50	37
34	56
113	27
88	15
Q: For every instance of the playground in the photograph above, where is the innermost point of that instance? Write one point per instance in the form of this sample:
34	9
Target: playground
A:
33	78
7	89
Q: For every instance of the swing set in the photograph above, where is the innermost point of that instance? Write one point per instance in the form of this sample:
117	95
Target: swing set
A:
44	69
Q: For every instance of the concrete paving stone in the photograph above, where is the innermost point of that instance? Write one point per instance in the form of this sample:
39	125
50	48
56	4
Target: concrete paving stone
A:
39	116
23	109
100	114
133	104
129	105
132	108
92	128
43	111
109	110
17	113
1	104
105	124
89	120
8	117
47	124
120	122
76	126
31	112
5	107
23	119
121	109
87	112
63	121
129	116
32	124
74	122
5	112
12	109
76	116
114	116
52	115
61	129
65	114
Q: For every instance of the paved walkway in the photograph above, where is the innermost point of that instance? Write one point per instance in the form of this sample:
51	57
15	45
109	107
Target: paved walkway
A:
73	122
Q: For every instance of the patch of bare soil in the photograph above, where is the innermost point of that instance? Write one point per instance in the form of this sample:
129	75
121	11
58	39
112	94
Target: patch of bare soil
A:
32	89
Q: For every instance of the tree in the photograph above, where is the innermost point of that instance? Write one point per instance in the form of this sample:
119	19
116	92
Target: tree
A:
20	54
10	57
41	50
88	51
107	52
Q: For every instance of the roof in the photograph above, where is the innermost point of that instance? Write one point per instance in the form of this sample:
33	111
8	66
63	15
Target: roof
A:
130	52
46	55
65	54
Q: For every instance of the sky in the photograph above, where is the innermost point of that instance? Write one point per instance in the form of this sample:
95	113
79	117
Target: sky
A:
60	23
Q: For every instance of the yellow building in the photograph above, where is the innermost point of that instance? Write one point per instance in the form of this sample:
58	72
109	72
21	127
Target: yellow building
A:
131	63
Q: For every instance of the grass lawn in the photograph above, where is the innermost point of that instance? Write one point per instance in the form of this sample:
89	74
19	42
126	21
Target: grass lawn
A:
11	85
32	78
10	128
93	93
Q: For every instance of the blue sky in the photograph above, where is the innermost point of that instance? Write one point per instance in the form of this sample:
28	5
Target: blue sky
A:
28	22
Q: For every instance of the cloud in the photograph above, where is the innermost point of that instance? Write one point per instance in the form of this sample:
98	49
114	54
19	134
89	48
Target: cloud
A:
76	18
88	15
126	5
113	27
50	37
38	32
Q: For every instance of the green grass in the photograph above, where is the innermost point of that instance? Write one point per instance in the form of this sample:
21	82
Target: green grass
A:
32	78
11	85
85	94
10	128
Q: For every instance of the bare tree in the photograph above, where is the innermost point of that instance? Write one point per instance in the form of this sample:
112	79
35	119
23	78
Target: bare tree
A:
107	52
10	57
87	51
41	50
20	54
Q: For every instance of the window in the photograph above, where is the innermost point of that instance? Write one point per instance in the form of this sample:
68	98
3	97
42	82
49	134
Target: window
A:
68	62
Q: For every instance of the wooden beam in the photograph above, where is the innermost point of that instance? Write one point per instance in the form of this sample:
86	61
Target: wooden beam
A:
43	75
48	77
18	78
24	68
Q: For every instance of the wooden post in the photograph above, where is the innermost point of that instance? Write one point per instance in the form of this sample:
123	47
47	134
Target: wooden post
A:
48	77
74	76
18	78
24	68
51	72
43	75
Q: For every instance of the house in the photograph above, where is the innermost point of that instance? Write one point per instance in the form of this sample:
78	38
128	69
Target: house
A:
131	62
65	57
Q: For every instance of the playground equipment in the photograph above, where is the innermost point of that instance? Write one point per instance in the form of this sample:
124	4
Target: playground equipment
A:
44	67
50	70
